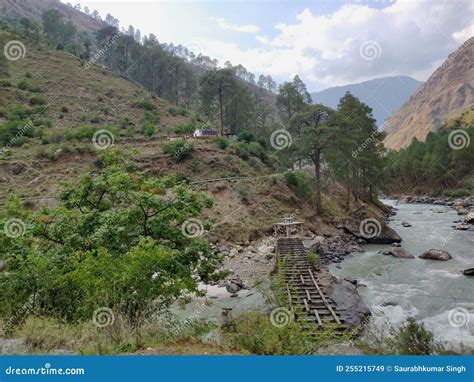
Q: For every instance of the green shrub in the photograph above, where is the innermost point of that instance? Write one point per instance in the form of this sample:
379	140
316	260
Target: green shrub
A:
25	85
414	339
179	149
314	258
184	129
221	142
241	150
148	130
254	333
245	136
15	132
43	121
64	109
151	117
5	84
125	121
300	183
178	110
146	104
83	132
19	112
37	100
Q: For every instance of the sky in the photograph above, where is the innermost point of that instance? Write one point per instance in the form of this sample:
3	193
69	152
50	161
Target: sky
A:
326	42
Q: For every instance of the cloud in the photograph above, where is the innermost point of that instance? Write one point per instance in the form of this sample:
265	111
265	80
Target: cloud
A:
224	24
326	50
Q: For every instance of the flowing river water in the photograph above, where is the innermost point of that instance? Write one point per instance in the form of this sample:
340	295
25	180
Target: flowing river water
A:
435	293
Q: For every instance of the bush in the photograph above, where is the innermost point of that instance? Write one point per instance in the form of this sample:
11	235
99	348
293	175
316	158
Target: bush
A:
151	117
184	129
179	149
300	183
37	100
314	258
64	109
5	84
414	339
42	121
245	136
221	142
15	132
125	121
254	333
19	112
148	130
83	132
178	110
25	85
146	104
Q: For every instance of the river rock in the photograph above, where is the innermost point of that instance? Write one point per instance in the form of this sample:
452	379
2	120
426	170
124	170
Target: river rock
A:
463	227
399	252
469	218
234	285
352	309
436	254
386	235
406	224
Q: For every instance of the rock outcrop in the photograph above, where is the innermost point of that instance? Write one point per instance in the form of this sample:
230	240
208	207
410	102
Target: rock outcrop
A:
436	254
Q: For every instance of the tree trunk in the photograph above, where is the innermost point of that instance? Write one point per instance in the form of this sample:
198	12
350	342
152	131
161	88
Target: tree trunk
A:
317	172
221	107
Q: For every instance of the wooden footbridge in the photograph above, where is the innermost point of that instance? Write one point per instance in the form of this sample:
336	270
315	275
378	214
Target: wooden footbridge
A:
306	298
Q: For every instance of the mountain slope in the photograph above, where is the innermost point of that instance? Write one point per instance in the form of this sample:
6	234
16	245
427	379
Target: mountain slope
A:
33	9
383	95
447	93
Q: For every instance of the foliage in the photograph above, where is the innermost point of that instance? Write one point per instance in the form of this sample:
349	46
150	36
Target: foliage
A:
300	182
148	130
221	142
146	104
245	136
433	164
180	149
314	258
184	129
115	240
253	332
414	339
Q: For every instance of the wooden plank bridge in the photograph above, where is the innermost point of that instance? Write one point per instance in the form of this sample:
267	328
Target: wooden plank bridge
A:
306	299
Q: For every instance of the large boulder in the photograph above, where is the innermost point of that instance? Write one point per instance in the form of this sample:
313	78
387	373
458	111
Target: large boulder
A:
372	230
349	303
399	252
436	254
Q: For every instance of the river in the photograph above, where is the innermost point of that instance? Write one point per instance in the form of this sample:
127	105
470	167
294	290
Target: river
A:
433	292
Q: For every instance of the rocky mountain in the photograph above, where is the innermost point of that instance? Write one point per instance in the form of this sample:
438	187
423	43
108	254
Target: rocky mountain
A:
447	93
383	95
